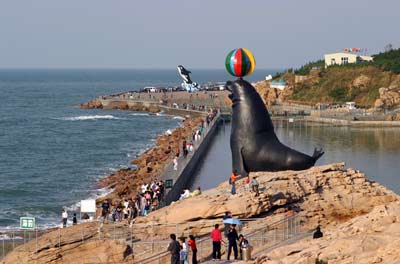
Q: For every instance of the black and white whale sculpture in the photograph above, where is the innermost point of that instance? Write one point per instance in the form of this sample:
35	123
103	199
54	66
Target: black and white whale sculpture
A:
254	144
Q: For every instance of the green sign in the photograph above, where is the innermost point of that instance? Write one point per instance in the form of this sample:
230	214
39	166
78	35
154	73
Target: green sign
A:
169	183
27	223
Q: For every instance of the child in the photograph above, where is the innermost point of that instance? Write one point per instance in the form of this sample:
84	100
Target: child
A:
247	185
182	256
183	253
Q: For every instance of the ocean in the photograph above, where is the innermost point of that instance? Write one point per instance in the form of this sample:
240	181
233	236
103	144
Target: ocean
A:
52	153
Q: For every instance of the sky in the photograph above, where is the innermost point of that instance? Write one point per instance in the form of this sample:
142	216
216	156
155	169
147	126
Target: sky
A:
198	34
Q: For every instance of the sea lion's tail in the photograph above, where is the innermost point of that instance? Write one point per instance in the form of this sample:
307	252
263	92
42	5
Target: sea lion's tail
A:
317	153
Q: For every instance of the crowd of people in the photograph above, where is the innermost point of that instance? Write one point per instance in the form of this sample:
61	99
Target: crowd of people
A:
188	144
148	199
237	243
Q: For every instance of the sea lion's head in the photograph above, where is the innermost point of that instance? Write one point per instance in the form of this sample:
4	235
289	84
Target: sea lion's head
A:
240	89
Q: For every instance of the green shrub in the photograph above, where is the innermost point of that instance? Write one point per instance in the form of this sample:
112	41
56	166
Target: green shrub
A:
338	94
305	69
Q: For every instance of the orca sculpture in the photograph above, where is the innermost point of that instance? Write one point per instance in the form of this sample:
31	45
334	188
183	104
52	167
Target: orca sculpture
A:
184	74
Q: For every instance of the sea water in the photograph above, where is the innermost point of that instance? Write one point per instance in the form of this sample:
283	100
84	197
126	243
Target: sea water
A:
52	153
374	151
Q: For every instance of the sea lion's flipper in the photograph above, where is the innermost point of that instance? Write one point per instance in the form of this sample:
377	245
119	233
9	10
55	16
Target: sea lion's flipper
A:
238	164
318	153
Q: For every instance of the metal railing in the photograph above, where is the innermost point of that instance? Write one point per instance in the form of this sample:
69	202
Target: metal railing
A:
259	239
12	238
268	236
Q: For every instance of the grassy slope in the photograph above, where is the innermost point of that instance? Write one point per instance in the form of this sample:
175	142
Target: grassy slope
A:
352	82
337	85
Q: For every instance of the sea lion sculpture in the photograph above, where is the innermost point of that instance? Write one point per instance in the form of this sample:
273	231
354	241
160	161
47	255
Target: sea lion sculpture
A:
254	144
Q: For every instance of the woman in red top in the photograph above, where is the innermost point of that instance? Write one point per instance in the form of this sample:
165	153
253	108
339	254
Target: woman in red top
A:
216	237
192	245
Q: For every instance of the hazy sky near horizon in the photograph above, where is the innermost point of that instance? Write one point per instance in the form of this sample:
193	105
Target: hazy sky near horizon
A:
197	34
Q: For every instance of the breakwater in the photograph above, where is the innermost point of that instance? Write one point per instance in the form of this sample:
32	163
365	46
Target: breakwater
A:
182	177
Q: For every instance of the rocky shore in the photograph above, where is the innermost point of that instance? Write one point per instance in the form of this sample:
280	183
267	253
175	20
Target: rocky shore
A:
359	218
150	164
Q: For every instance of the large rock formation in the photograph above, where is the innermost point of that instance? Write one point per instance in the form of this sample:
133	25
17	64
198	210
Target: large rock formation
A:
328	195
325	195
389	97
76	244
370	238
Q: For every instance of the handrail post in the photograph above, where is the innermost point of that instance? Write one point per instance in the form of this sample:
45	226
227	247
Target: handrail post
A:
114	230
36	240
13	240
201	248
262	238
3	248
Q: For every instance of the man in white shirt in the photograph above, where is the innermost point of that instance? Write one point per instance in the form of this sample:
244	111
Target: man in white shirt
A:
144	188
64	217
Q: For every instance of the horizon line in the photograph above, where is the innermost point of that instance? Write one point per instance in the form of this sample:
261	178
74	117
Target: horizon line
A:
119	68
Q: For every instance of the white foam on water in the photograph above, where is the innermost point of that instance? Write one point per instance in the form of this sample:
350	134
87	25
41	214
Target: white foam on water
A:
178	117
88	117
139	114
93	195
6	237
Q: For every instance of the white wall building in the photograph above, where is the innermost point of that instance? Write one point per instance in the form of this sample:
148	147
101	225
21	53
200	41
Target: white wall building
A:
341	58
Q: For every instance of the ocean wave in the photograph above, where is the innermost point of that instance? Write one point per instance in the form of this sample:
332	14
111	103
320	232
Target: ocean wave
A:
89	117
97	193
139	114
6	237
178	117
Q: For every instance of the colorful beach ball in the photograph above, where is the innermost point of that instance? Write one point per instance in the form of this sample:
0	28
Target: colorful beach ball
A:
240	62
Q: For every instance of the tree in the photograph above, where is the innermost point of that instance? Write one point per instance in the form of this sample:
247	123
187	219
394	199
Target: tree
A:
388	47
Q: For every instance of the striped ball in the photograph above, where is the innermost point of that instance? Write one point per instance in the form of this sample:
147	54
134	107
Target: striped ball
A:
240	62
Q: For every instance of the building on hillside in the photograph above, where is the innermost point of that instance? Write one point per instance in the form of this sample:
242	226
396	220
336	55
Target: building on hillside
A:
281	84
341	58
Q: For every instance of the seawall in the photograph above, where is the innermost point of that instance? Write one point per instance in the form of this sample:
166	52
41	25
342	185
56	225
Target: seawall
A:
183	177
341	122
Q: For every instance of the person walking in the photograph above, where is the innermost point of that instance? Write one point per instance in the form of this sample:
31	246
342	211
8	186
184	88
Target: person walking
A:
175	162
227	215
64	216
174	248
232	181
193	247
105	209
119	211
232	238
216	238
254	185
74	220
